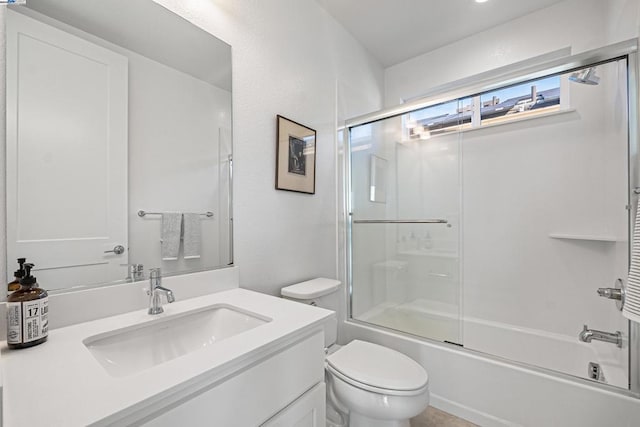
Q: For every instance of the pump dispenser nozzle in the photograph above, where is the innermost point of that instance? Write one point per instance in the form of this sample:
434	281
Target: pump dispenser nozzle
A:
20	272
28	279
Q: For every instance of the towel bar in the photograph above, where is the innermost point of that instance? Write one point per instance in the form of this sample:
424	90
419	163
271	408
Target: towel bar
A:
142	213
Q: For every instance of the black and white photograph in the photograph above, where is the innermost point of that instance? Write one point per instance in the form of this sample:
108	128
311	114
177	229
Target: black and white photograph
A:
295	157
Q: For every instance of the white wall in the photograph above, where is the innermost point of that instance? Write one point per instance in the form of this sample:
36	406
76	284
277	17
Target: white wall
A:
579	24
290	58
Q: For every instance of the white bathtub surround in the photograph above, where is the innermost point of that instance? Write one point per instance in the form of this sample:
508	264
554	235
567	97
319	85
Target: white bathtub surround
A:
491	392
68	372
535	347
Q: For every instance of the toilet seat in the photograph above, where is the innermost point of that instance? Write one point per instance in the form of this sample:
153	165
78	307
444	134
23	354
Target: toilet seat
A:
378	369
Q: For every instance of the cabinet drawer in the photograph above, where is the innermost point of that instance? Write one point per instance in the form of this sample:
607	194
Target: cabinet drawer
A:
307	411
254	394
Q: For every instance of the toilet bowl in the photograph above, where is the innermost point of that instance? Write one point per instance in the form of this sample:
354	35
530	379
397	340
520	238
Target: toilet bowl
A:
368	385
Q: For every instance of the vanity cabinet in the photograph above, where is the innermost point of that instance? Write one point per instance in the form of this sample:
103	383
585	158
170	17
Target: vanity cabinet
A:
271	374
307	411
285	388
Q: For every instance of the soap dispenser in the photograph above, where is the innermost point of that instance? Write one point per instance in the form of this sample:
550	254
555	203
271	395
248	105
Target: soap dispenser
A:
27	313
19	274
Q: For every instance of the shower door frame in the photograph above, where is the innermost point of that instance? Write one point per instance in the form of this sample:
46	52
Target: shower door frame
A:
468	88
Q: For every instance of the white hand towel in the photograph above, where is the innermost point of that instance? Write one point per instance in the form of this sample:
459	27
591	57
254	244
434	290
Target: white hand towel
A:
170	235
192	236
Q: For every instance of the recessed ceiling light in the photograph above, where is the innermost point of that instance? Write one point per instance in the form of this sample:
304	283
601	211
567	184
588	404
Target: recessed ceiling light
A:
481	1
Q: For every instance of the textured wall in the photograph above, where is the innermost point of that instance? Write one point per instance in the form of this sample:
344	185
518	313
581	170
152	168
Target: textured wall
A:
290	58
579	24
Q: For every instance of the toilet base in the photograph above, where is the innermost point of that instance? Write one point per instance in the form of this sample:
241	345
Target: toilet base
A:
359	420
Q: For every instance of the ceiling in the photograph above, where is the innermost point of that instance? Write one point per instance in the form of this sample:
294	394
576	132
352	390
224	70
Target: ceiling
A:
396	30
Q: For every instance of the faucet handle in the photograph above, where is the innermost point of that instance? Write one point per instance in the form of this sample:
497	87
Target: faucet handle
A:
616	293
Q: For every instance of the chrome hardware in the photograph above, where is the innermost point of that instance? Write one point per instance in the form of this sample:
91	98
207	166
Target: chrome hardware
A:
135	272
616	293
155	280
594	371
587	335
400	221
142	213
118	250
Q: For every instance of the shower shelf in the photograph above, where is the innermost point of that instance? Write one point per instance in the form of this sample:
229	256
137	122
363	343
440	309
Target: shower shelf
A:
435	254
593	237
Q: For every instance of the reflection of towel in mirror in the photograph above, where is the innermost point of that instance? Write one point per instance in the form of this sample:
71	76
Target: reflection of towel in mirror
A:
192	235
170	235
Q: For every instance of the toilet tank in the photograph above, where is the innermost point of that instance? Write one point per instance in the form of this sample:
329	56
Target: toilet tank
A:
323	293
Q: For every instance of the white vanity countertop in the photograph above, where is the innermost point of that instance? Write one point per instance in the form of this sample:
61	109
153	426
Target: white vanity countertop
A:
60	383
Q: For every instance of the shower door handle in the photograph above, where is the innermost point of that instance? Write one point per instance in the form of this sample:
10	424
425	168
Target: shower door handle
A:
616	293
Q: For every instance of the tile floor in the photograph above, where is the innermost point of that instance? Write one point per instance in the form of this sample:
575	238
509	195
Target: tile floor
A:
433	417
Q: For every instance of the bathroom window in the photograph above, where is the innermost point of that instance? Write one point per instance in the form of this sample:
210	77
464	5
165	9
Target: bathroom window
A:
523	100
533	98
439	119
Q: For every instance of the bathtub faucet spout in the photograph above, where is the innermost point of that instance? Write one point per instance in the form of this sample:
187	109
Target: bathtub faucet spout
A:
592	334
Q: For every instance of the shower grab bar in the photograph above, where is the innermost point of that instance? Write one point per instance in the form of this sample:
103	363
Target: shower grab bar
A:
400	221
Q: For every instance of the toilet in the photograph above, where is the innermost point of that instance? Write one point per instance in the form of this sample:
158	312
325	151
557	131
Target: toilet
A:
368	385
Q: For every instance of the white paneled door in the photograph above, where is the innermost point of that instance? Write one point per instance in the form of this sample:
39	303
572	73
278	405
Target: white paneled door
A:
66	155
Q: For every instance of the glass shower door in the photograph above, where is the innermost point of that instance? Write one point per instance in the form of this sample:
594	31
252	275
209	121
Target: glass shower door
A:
532	183
405	221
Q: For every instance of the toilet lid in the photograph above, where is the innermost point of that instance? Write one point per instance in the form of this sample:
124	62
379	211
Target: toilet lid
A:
377	366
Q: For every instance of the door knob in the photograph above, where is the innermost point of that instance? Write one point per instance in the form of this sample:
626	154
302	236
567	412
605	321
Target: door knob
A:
118	250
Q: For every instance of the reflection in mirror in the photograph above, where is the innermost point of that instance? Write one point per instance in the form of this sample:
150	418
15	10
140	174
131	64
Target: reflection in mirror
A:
113	108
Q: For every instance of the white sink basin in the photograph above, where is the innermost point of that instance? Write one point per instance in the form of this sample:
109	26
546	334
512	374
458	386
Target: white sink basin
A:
129	350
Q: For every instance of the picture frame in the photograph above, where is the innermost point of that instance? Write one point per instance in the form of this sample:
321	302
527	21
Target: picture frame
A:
295	157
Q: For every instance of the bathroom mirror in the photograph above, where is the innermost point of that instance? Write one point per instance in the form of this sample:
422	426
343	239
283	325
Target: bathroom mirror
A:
118	112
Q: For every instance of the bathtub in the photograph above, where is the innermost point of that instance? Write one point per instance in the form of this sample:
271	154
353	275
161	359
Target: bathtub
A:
493	391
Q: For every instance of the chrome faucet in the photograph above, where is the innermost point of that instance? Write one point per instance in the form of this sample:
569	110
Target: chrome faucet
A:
155	279
136	272
591	334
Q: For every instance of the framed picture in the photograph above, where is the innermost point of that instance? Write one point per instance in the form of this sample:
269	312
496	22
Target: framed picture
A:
295	157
